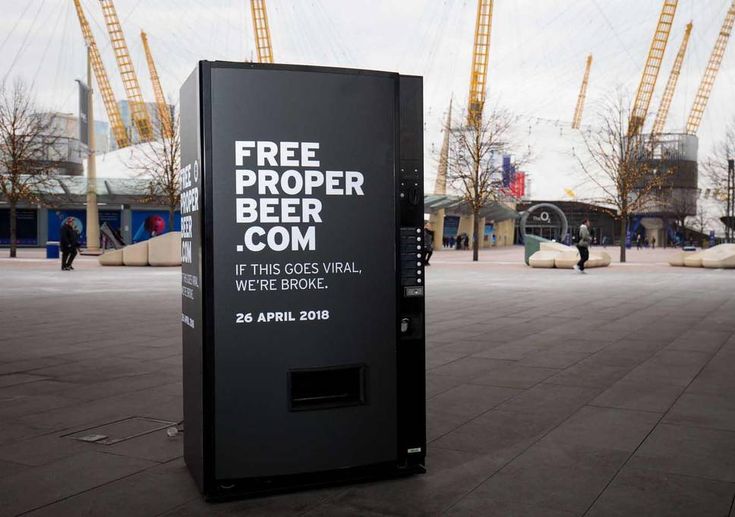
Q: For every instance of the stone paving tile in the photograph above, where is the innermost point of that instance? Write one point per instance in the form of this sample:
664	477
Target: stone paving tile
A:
439	423
39	486
436	384
639	395
16	407
589	373
716	411
468	346
470	400
707	341
500	433
469	367
560	478
296	503
439	358
29	365
450	475
12	379
43	387
641	345
661	494
553	359
603	428
148	492
13	432
117	386
511	351
515	376
550	399
42	450
716	378
156	446
691	451
670	367
494	508
8	468
343	510
528	413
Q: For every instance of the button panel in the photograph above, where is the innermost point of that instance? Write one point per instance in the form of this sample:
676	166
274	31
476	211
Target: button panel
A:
412	262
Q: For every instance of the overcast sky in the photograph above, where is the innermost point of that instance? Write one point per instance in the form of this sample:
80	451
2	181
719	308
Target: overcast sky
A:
538	49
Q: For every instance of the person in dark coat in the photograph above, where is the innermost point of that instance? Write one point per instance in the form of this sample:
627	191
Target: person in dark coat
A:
583	245
69	244
428	243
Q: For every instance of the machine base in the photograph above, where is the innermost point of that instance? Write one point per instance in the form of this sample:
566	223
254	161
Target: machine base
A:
227	490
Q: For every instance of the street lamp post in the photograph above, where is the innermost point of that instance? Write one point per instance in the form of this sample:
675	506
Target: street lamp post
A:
730	209
93	220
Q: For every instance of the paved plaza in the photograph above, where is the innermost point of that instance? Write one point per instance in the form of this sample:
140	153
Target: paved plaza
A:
549	393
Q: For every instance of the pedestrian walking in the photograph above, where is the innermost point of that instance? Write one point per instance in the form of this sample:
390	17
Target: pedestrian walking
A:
583	245
69	244
428	243
653	243
638	241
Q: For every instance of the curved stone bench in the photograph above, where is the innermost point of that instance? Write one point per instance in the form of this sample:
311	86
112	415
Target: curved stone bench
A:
693	259
678	259
719	257
165	250
543	259
569	259
136	254
555	254
111	258
554	246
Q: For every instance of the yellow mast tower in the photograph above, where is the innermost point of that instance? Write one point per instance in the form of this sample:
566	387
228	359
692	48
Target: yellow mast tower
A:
577	121
480	58
652	67
710	73
103	81
138	112
164	114
262	31
663	110
440	184
478	84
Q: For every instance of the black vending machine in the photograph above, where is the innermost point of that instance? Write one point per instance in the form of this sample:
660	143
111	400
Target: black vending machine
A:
302	276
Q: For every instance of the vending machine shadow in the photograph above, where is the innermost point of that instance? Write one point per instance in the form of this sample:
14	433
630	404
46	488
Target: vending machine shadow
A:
303	299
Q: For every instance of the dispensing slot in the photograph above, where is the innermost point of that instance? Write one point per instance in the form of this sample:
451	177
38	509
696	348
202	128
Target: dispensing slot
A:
326	388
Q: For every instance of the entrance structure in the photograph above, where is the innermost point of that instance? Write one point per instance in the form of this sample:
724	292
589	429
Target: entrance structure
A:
543	210
303	285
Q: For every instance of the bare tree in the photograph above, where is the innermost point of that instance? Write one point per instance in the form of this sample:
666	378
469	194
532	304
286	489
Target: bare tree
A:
716	172
27	140
621	166
476	147
700	221
159	164
682	208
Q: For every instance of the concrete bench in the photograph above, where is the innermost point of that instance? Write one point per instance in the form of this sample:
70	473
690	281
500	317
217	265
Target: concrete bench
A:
719	257
693	259
568	259
165	250
542	259
111	258
136	254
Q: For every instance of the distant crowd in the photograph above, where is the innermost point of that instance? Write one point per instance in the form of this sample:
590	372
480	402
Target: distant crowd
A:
460	242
